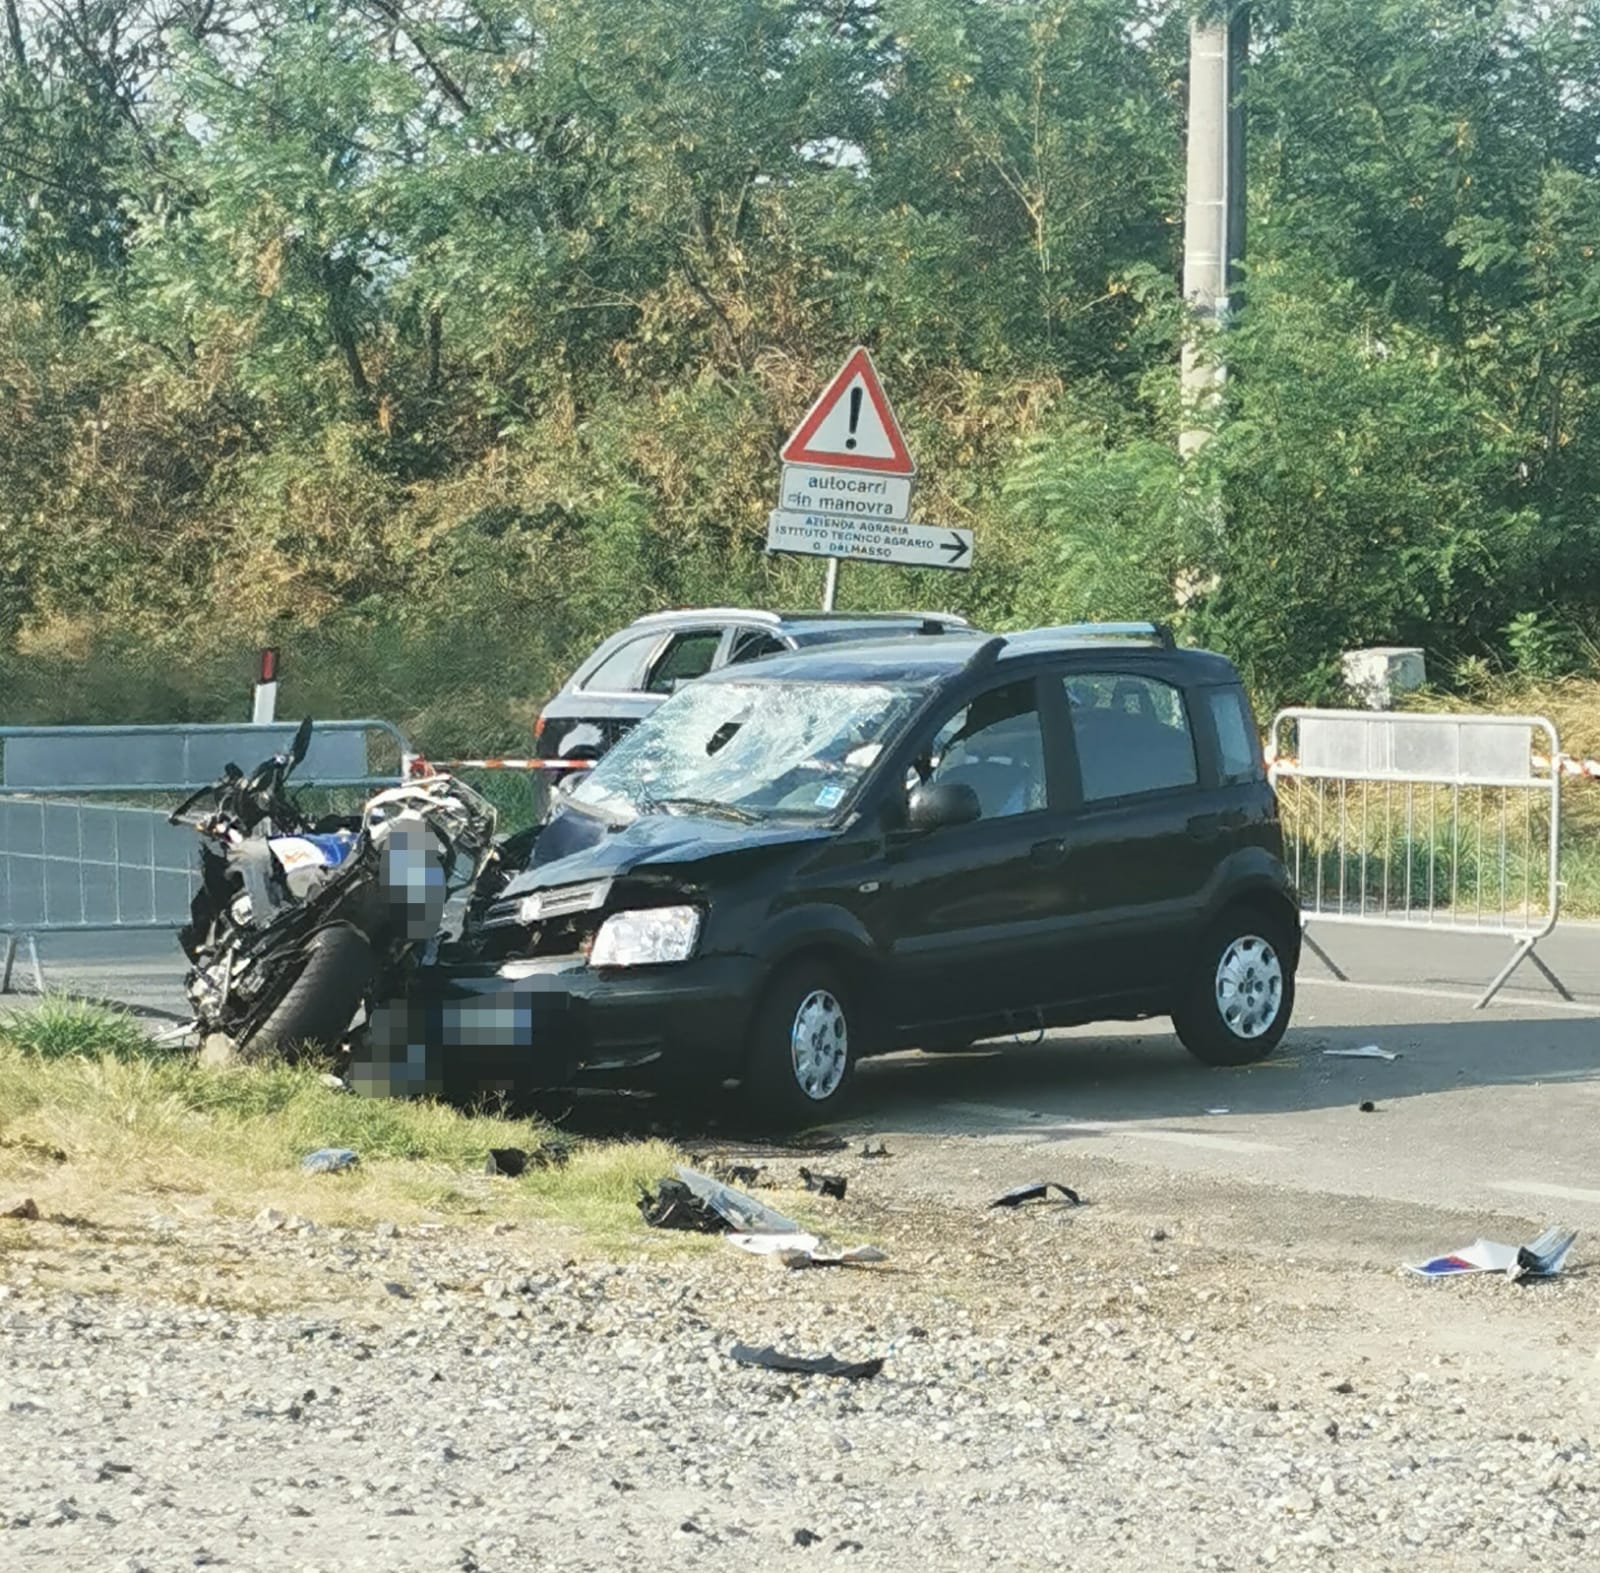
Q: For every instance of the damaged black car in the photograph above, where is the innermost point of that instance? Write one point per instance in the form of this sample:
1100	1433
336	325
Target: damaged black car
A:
791	866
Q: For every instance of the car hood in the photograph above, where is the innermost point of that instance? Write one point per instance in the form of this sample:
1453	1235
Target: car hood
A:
575	847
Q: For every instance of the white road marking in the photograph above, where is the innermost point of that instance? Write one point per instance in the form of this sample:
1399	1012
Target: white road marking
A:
1555	1193
1575	1007
1041	1122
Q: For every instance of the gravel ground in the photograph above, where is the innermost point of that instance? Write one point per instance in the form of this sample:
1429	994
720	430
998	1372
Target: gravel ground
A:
1060	1390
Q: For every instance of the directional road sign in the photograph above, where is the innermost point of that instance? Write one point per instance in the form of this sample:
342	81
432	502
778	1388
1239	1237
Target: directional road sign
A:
817	533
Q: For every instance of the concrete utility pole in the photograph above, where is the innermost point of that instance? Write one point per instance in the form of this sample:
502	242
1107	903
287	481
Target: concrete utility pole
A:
1213	219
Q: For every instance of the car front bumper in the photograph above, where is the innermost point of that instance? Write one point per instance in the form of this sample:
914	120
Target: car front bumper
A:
472	1028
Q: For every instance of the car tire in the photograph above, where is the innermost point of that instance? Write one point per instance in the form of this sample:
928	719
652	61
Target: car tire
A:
1240	995
803	1045
317	1008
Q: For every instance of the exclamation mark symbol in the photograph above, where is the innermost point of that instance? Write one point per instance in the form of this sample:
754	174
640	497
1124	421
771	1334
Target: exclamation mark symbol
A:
855	416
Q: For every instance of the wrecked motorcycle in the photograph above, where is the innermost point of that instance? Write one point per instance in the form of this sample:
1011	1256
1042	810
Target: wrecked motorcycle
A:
298	923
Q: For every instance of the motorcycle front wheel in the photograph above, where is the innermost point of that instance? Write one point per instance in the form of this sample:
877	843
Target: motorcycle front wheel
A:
316	1010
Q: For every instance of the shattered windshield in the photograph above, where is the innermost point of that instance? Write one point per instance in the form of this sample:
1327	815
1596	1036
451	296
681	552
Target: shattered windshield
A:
750	751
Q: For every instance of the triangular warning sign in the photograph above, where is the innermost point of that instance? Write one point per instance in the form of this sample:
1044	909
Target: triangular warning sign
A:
851	426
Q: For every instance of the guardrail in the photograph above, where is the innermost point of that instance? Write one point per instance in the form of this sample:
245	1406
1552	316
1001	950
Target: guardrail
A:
1422	821
85	845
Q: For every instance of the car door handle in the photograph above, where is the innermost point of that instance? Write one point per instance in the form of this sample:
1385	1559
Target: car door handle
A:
1049	851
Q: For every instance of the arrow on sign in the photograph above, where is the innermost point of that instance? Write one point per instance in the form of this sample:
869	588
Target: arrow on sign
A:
956	547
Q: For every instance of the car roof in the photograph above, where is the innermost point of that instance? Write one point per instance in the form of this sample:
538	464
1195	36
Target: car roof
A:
785	622
925	662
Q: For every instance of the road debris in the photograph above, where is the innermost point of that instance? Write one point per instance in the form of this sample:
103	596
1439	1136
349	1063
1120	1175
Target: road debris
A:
805	1250
1037	1191
27	1208
334	1083
806	1537
825	1184
877	1149
741	1173
1367	1051
742	1212
1219	1111
1541	1258
1367	1106
805	1365
509	1161
329	1160
672	1205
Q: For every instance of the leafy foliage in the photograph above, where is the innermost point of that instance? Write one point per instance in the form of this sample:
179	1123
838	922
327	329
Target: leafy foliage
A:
428	339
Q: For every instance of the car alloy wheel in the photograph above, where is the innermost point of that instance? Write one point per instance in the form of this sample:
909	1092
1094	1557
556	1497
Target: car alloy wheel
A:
1249	986
819	1045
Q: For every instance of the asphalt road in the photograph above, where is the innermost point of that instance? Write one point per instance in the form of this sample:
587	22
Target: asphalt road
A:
1487	1115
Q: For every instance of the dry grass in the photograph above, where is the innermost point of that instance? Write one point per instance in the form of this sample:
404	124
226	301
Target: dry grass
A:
145	1130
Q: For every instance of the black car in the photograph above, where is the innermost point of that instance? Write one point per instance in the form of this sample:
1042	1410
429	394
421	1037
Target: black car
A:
633	671
916	842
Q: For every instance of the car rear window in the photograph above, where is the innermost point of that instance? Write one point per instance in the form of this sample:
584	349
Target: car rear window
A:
1132	735
1238	747
622	672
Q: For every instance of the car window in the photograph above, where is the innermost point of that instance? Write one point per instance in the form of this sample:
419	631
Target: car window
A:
1132	735
995	745
1238	747
750	644
751	748
622	671
689	655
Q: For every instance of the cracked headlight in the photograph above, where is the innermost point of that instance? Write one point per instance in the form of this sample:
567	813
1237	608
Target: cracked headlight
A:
646	937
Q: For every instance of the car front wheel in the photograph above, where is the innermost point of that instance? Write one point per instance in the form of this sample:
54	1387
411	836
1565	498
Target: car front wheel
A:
1240	995
802	1052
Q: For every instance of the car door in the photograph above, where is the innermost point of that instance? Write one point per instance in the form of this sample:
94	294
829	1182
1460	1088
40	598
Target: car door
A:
974	909
1140	842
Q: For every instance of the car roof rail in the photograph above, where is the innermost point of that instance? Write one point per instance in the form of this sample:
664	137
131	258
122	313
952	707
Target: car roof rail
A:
1159	634
987	653
946	619
678	613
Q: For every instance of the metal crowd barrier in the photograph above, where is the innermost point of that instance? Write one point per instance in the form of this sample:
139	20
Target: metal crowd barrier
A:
1423	821
85	846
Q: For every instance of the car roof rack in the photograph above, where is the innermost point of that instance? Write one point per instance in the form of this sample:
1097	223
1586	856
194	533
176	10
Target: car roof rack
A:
678	613
1158	634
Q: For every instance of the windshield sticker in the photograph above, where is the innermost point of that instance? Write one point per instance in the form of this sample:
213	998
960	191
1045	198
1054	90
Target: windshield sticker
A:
830	796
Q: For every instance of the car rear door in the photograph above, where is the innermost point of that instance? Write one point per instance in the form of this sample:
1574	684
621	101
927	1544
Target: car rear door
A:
1143	837
973	911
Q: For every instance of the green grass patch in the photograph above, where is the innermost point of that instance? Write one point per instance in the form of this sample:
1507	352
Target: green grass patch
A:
136	1121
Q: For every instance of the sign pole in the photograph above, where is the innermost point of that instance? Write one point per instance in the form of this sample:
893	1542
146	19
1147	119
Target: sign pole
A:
830	584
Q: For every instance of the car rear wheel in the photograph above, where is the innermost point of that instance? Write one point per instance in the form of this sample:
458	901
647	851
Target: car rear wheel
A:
1240	996
802	1052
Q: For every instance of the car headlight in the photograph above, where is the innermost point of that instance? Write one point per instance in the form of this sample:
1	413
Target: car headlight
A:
646	937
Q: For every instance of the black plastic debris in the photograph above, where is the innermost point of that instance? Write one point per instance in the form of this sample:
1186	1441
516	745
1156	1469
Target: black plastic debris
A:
805	1365
1367	1106
806	1537
877	1149
27	1209
672	1205
509	1161
1037	1192
740	1173
827	1184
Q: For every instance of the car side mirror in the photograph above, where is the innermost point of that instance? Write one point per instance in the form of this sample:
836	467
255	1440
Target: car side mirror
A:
942	803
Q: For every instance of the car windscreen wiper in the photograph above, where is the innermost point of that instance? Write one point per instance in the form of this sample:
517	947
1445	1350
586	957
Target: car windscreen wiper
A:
706	805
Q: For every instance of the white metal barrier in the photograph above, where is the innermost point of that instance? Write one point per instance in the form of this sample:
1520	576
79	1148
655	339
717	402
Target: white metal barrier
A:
1423	821
84	841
